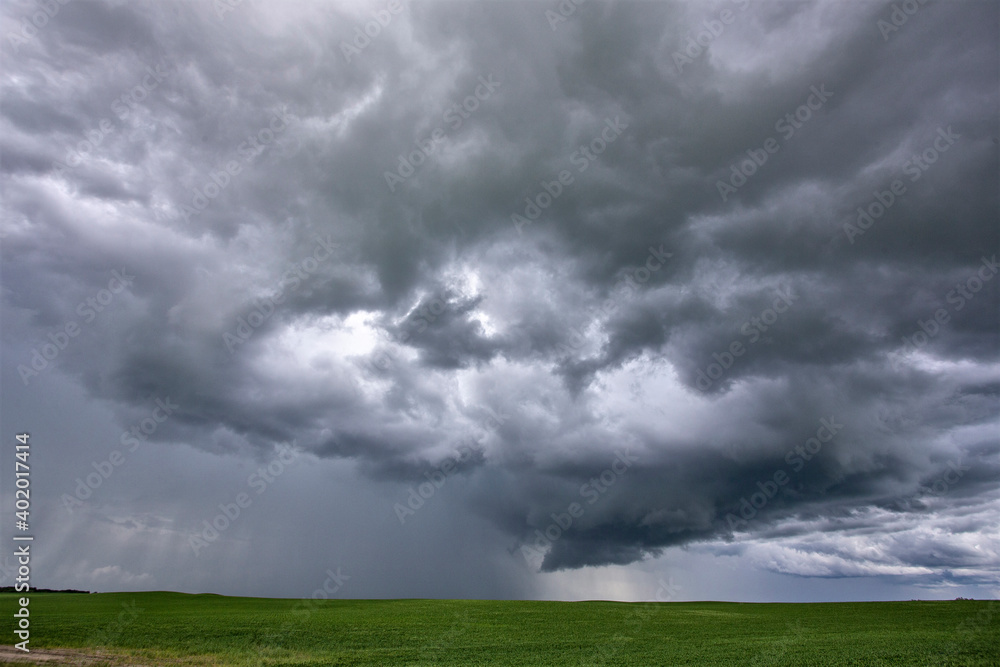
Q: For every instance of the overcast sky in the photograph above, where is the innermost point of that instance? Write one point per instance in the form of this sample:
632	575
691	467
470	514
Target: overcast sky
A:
632	300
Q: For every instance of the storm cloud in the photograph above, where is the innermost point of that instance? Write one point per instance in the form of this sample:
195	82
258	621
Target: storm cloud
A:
598	282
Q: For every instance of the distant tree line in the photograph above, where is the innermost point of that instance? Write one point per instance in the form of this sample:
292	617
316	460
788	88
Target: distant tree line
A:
10	589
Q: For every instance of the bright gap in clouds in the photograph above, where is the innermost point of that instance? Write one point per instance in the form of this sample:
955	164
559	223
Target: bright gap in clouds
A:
307	341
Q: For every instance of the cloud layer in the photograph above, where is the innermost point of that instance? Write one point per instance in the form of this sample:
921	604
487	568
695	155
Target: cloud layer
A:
718	274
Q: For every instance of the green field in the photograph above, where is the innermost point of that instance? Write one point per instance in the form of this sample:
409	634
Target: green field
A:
174	628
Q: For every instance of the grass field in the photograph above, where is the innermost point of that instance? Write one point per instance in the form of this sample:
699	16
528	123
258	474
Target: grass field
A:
174	628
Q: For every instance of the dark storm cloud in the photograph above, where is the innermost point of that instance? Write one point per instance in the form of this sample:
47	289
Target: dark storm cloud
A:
632	246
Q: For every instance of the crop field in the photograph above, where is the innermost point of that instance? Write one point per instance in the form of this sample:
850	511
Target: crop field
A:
178	629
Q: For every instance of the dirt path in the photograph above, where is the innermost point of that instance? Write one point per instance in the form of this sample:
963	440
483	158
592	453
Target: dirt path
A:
63	656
